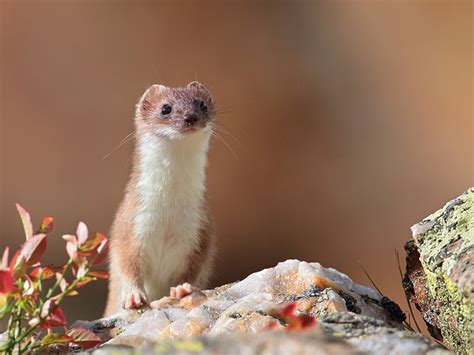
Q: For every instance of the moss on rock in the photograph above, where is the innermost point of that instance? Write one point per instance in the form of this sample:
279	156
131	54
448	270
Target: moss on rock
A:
442	287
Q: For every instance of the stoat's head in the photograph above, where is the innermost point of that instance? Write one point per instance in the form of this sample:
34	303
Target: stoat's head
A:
175	112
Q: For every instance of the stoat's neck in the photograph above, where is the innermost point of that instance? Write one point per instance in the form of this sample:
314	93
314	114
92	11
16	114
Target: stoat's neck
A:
171	173
188	154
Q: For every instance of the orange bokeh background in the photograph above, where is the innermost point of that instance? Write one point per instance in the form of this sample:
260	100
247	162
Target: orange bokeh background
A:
352	121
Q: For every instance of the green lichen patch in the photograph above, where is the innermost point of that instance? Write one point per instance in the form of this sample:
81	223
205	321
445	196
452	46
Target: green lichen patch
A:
445	243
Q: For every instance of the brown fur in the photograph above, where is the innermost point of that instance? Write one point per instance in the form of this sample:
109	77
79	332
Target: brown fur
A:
125	247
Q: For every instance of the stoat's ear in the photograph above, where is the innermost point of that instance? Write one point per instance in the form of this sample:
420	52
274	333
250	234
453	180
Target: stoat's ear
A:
196	85
148	99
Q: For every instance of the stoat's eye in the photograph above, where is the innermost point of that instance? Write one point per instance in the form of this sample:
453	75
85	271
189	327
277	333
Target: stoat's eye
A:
166	109
203	107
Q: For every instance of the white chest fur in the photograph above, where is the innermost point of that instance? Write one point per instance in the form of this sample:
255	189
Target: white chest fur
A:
170	192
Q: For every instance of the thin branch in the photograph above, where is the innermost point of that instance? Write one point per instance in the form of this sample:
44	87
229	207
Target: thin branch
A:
370	279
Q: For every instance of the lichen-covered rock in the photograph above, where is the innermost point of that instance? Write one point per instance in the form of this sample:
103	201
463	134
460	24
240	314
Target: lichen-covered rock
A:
350	318
440	272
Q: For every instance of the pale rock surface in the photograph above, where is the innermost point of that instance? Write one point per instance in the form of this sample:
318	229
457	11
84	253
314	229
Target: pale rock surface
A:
351	318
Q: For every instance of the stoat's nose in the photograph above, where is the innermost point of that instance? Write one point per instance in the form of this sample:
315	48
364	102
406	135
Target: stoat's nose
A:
191	119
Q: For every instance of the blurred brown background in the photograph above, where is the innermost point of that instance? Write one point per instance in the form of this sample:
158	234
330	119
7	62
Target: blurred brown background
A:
354	119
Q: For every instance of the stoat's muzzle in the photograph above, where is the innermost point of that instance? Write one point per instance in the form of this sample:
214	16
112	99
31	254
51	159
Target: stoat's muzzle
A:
173	112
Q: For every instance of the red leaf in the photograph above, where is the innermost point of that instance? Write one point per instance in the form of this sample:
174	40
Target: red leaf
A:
71	246
46	272
71	251
85	281
307	321
271	325
33	322
300	322
33	249
82	269
7	282
93	242
72	293
14	260
18	265
26	220
63	283
293	321
47	225
84	337
102	250
70	238
99	274
56	315
82	233
28	287
83	254
288	311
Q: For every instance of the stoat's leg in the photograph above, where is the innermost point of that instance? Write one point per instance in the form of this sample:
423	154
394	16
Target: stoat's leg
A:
133	293
126	261
199	261
181	291
133	296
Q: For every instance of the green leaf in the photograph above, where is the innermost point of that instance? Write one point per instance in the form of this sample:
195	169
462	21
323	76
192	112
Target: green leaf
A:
5	306
28	305
6	344
54	338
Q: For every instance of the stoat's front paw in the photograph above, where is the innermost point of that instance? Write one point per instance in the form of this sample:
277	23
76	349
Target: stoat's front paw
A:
133	297
181	291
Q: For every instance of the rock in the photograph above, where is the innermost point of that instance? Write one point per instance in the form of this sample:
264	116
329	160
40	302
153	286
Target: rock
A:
266	343
439	276
372	336
236	318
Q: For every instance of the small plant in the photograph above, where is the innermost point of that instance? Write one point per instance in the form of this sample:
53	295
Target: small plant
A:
33	309
286	315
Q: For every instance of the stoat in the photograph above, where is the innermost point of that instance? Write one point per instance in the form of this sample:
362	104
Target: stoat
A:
162	232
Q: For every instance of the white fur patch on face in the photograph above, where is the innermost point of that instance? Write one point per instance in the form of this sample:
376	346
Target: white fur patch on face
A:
170	190
168	131
174	133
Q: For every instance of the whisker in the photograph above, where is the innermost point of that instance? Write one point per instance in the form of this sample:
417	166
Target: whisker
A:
126	139
214	133
220	112
226	130
241	132
220	122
